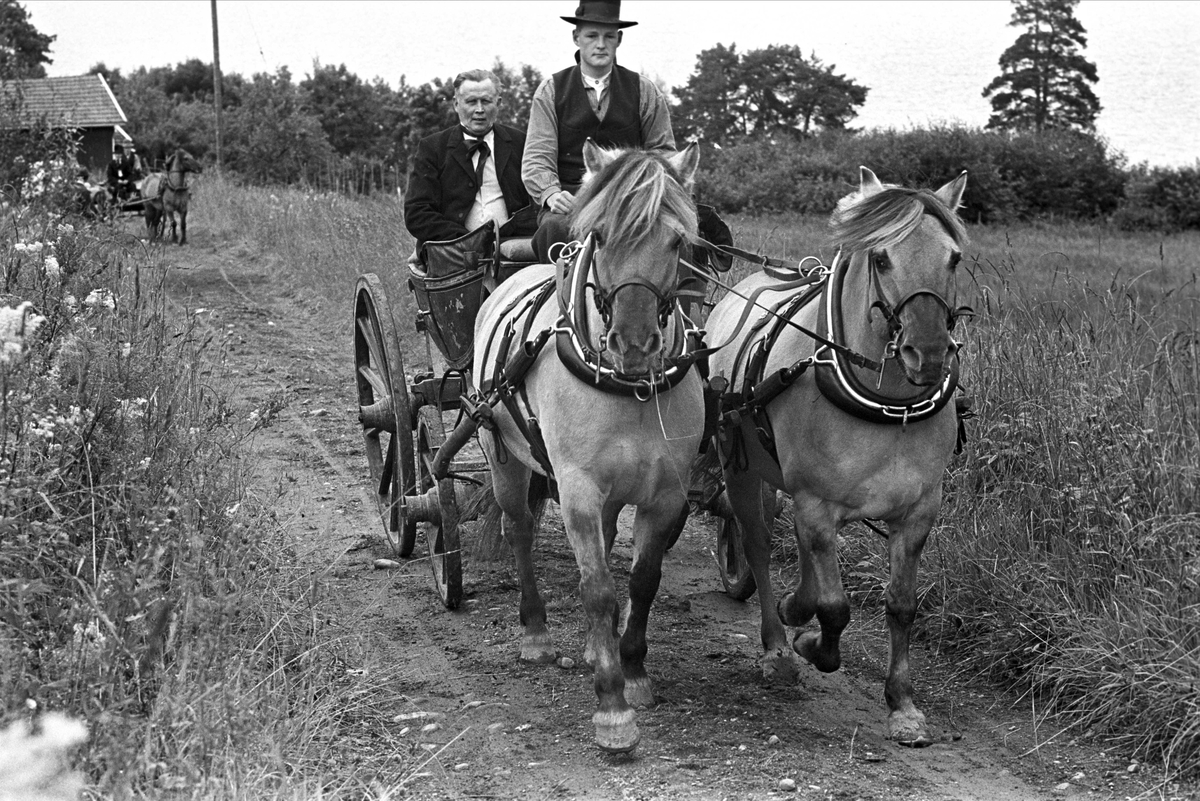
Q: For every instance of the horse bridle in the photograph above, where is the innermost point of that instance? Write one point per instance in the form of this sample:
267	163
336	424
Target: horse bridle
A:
605	297
876	262
171	173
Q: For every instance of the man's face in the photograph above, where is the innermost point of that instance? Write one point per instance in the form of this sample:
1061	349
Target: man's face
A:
597	45
477	104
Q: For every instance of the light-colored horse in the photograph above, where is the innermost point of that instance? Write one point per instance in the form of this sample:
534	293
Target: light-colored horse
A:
176	192
607	451
897	305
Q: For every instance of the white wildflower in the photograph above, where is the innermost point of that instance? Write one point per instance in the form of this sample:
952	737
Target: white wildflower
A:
33	766
100	297
72	303
17	325
53	271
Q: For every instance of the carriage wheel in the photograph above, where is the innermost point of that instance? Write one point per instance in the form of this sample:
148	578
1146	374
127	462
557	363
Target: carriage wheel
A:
384	411
441	534
736	577
731	560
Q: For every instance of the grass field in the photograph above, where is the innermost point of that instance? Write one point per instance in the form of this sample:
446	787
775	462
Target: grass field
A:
1066	563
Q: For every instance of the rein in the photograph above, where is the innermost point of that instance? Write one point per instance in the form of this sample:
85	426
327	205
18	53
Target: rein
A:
797	276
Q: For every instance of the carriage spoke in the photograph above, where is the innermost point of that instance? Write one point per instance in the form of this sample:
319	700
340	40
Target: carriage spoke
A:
389	467
374	347
375	380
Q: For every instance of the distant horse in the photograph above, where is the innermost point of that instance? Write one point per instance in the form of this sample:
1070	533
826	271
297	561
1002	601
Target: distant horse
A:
601	415
848	442
152	210
174	192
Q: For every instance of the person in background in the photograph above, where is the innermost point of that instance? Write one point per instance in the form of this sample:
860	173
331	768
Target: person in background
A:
470	173
596	99
116	177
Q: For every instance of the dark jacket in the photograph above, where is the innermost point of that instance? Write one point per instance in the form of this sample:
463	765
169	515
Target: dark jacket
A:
441	186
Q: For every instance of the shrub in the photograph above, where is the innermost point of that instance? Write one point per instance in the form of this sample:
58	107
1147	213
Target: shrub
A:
1161	199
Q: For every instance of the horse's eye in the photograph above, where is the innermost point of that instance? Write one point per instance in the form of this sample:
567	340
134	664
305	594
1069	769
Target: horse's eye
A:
880	261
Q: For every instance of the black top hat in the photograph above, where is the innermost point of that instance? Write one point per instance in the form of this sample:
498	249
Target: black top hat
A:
599	12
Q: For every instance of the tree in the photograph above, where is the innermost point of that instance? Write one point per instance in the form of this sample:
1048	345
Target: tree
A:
273	137
772	91
23	48
348	109
1044	80
517	87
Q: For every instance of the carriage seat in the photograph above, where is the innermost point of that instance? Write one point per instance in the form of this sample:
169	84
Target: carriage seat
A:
518	249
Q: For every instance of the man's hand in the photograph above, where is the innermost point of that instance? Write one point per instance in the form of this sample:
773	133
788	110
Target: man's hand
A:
561	202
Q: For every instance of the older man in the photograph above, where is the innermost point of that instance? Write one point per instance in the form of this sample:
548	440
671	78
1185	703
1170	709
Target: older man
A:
469	173
595	99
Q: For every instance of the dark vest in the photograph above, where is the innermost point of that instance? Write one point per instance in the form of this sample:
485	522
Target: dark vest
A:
622	125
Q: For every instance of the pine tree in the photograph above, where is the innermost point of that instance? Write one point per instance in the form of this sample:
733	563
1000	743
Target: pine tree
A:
1044	80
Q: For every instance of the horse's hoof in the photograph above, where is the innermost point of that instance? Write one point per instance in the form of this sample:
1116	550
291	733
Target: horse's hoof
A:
808	645
616	732
538	649
908	729
779	669
790	612
639	693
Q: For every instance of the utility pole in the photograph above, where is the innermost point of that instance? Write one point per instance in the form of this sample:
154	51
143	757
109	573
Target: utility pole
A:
217	81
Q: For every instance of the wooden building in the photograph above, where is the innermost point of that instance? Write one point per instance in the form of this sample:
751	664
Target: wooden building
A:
81	103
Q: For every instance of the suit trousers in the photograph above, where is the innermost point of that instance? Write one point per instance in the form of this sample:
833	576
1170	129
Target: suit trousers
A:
552	228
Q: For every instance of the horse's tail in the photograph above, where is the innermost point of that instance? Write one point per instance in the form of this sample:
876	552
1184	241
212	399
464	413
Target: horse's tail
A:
483	505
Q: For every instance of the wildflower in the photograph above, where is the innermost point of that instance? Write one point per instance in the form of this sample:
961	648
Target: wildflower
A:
53	271
72	303
17	325
100	297
35	763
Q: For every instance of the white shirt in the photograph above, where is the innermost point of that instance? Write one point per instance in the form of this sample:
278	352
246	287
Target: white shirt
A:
598	86
489	200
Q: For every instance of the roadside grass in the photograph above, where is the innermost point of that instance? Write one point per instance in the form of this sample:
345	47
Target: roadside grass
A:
1065	565
144	590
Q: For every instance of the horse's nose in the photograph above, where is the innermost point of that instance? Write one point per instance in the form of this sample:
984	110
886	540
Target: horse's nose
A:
634	350
925	365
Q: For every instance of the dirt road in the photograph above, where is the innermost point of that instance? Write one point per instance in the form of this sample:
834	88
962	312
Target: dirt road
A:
463	719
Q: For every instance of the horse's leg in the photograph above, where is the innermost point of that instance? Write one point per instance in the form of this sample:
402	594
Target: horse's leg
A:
608	522
906	540
183	226
819	590
745	495
615	721
651	527
510	485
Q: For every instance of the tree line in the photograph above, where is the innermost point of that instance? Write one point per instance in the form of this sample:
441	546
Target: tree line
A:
756	109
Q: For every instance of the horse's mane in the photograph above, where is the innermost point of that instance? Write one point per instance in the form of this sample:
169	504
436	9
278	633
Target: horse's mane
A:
629	198
888	217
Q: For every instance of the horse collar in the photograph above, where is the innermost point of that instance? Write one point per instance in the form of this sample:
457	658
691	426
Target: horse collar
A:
841	386
574	331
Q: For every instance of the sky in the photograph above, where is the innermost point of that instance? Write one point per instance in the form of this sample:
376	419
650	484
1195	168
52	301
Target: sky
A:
924	61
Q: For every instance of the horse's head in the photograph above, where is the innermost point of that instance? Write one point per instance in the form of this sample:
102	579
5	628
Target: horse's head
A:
909	241
183	161
639	207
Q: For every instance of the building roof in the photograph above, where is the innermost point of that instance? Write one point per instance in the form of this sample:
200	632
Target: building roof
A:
78	101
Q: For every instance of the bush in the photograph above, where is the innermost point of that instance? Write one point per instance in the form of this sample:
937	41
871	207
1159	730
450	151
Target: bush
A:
1058	174
1161	199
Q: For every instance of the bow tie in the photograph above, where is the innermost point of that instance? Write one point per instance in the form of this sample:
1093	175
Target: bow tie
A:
474	145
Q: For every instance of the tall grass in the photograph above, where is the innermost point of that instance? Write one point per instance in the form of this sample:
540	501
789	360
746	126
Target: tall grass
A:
145	587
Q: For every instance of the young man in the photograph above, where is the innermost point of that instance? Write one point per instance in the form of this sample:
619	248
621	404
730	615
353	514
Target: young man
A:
469	173
595	99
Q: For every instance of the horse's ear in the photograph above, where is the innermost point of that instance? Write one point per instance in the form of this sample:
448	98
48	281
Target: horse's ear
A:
685	163
868	184
595	158
952	193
